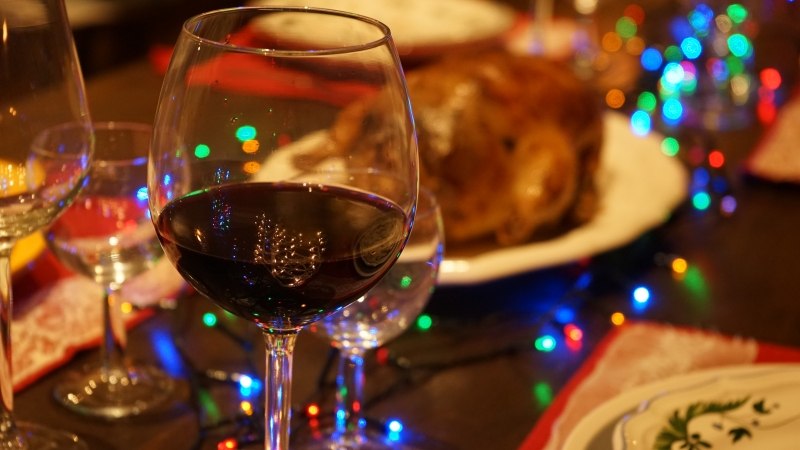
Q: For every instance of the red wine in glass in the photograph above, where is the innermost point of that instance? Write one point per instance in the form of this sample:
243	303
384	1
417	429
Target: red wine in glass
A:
282	254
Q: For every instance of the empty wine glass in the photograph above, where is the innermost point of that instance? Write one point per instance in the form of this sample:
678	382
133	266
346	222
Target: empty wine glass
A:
382	314
283	171
40	87
107	235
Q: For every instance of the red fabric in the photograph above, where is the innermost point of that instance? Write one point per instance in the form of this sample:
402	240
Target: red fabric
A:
96	216
55	363
38	310
44	269
254	74
541	432
771	353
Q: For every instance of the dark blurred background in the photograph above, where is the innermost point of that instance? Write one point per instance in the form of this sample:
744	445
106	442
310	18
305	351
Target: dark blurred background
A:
109	33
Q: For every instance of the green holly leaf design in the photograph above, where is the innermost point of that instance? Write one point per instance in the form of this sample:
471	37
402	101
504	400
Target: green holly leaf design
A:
738	433
697	442
666	437
677	429
760	408
719	408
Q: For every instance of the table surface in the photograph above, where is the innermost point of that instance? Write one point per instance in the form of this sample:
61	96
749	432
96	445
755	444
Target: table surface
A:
474	380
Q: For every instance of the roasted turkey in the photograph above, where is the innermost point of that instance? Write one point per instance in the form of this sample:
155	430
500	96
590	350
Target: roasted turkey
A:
509	144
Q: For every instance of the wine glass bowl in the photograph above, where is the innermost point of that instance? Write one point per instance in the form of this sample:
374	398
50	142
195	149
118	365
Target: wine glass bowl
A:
106	235
392	305
381	315
39	182
259	199
41	87
280	248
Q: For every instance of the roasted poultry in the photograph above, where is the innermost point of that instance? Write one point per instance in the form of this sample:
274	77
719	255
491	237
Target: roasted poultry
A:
510	144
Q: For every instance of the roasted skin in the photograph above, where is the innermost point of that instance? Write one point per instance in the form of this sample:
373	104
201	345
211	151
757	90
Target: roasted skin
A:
509	144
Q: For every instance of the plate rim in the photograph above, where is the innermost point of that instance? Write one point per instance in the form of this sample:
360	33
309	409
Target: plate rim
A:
413	51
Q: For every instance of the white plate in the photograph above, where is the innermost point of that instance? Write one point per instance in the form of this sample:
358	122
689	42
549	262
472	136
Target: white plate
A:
639	188
421	29
596	430
742	412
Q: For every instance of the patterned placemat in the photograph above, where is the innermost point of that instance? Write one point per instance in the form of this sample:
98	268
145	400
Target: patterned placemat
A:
636	354
59	314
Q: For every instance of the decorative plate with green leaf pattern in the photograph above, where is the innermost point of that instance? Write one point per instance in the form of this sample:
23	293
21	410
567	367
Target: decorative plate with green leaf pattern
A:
759	411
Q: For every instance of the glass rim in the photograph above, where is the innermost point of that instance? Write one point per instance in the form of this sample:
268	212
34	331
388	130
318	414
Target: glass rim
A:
430	198
92	129
386	37
122	126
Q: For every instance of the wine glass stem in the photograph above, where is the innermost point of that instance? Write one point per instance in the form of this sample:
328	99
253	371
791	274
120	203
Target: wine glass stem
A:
350	396
9	435
277	398
114	337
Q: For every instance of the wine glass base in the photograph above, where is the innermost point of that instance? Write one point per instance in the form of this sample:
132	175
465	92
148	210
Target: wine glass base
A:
38	437
117	393
366	441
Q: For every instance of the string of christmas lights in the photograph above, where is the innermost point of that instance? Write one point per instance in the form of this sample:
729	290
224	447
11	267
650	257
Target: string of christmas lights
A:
557	327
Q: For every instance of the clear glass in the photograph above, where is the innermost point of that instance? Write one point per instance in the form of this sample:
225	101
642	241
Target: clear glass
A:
283	171
107	235
40	87
385	312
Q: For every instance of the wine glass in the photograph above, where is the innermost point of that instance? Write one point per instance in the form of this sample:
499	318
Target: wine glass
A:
107	235
283	171
386	311
41	86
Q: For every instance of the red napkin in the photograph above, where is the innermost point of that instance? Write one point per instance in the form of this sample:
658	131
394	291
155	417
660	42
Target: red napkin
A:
60	313
636	354
254	74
